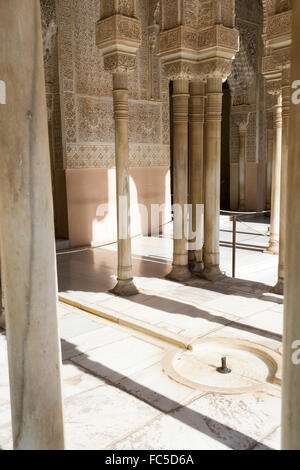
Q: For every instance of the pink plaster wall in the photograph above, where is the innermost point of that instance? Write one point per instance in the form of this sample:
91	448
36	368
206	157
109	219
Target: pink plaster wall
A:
87	189
255	186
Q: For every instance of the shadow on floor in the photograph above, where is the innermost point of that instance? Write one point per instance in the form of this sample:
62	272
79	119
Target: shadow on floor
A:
94	271
176	307
198	421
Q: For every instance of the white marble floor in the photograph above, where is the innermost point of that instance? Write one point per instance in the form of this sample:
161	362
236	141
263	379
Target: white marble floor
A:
116	393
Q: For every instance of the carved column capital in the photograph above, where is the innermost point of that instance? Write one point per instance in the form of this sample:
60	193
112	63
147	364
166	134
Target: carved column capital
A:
119	62
216	68
273	87
181	69
118	35
244	123
184	44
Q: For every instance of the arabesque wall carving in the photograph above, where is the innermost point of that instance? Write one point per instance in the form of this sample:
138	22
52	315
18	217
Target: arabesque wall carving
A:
247	83
86	89
49	29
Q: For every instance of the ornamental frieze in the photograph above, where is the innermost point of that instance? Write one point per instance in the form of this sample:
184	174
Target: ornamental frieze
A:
219	36
207	38
279	25
182	37
169	40
190	39
102	155
227	37
269	65
118	27
282	57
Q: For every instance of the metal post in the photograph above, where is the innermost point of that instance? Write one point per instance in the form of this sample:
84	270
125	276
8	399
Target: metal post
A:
234	218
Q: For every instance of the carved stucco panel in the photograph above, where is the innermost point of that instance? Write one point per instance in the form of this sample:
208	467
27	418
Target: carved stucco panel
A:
90	76
50	43
206	13
103	155
96	122
171	13
247	83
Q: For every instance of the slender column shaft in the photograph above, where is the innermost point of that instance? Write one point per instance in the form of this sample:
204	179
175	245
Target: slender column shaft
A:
243	126
212	178
269	166
243	143
27	234
291	336
125	285
286	97
196	149
180	271
2	311
276	179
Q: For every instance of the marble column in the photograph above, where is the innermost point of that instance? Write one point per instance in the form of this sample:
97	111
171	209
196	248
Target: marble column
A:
243	132
286	98
27	235
180	271
125	286
2	310
118	36
212	176
270	133
196	156
276	178
291	336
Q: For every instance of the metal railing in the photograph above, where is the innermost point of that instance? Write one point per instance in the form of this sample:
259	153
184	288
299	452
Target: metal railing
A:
235	216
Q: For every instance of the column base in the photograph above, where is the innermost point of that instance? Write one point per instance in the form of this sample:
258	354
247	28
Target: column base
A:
279	288
273	249
124	288
212	273
196	267
179	274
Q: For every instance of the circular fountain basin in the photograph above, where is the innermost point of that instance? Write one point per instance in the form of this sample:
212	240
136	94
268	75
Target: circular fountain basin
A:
253	367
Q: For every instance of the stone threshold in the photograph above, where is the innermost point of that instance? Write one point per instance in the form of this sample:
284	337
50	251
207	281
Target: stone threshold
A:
130	322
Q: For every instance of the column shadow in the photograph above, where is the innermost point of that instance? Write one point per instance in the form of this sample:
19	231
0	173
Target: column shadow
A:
204	424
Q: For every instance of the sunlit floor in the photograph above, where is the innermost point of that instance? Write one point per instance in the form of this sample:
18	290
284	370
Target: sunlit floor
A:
116	393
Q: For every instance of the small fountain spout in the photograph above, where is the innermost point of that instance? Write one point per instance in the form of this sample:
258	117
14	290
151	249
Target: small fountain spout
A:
224	369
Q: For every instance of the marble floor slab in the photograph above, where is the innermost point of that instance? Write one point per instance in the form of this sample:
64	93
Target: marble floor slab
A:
116	393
